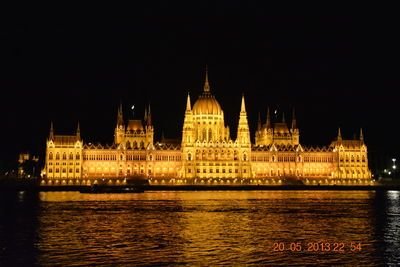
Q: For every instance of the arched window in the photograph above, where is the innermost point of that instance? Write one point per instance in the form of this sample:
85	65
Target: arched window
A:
57	156
64	156
204	137
71	156
151	157
77	156
209	134
363	158
50	170
244	157
128	144
189	156
51	155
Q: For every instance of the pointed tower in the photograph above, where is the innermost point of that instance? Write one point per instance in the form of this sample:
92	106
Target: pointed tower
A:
339	137
149	127
243	141
259	122
283	117
188	126
361	135
119	132
78	132
120	119
294	131
294	124
51	135
206	84
243	133
268	122
188	105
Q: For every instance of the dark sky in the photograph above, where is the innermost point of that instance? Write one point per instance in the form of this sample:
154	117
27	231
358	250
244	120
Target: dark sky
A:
338	69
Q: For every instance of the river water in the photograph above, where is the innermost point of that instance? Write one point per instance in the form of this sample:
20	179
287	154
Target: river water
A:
200	228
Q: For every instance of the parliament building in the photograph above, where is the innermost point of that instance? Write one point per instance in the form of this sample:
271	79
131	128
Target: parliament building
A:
206	155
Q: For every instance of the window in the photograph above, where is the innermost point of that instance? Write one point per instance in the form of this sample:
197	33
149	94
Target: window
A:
50	170
64	156
64	170
77	170
51	155
71	156
57	156
70	170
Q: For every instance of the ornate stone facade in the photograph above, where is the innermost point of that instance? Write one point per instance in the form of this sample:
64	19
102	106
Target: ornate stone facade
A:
206	154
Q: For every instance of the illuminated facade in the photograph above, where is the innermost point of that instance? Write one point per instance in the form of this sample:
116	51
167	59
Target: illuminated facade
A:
206	155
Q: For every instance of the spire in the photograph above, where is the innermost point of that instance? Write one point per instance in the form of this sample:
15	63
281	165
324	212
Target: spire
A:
51	135
145	115
361	135
149	116
206	85
78	132
243	106
120	119
188	106
268	123
294	126
339	137
283	117
259	122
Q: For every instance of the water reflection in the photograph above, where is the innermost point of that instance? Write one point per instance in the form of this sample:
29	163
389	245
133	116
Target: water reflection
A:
211	227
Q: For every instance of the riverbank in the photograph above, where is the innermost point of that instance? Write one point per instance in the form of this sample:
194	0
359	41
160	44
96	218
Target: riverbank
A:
33	185
201	188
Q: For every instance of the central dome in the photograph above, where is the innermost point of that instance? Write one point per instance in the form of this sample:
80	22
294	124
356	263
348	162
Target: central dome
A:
207	105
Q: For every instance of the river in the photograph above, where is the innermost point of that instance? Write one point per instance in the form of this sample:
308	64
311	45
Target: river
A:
200	228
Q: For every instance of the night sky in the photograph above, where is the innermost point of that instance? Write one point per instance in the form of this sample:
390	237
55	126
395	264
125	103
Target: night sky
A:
336	70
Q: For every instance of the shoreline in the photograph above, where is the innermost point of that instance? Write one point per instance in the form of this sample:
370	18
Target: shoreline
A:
208	188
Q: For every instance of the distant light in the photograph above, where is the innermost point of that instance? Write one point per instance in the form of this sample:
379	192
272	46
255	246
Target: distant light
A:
394	160
390	173
133	107
394	166
276	111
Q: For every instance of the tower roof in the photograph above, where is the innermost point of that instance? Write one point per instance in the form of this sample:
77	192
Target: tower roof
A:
206	104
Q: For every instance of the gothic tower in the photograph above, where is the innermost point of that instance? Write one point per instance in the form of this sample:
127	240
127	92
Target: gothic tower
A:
119	132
